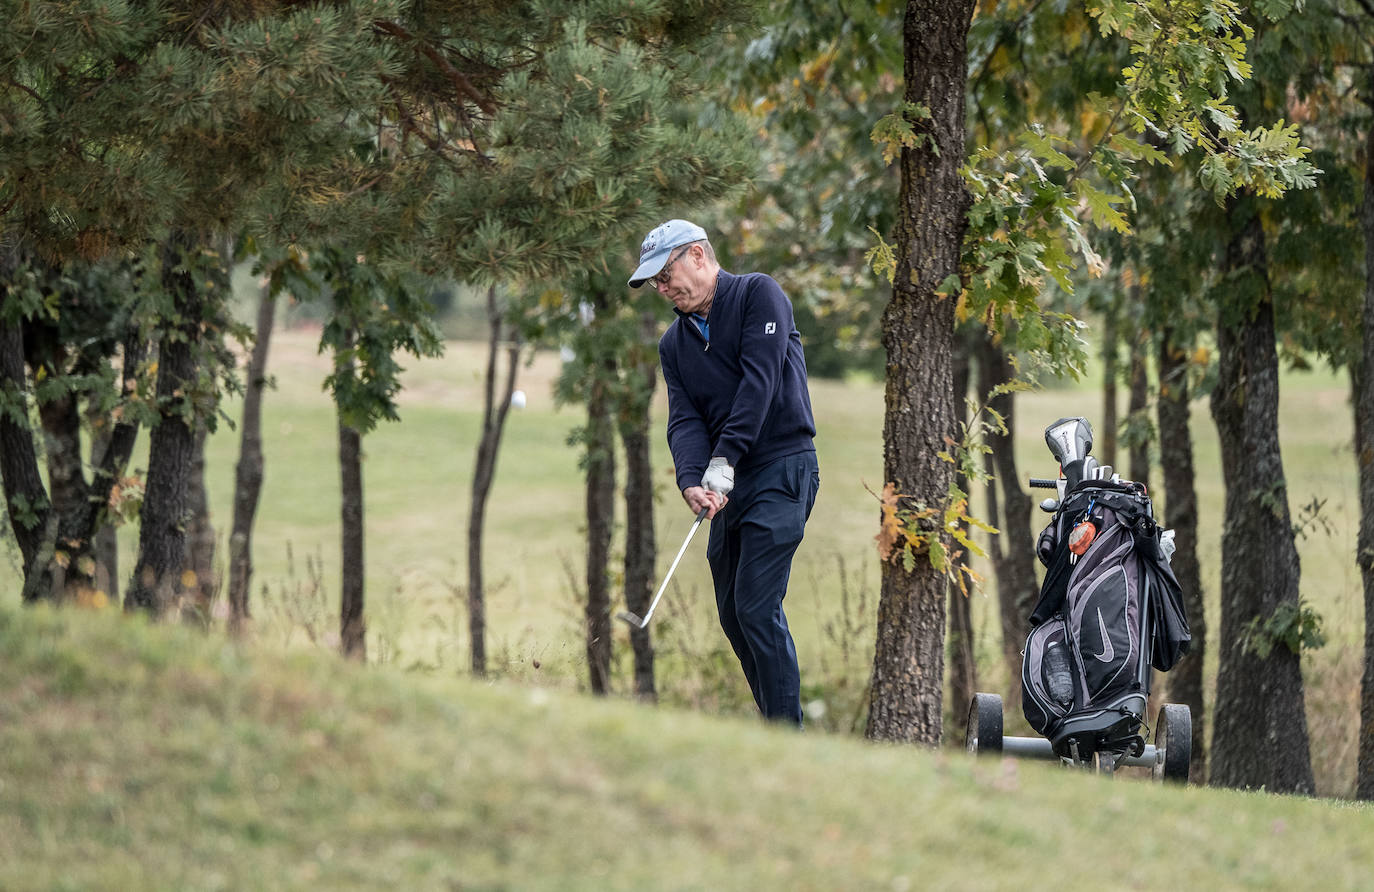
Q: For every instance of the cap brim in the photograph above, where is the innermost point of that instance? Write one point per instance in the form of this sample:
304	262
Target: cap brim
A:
650	268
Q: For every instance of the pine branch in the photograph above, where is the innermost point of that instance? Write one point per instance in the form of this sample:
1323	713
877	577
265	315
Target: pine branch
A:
459	80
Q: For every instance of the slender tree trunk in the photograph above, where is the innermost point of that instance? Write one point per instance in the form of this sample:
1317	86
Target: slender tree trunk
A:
1105	445
918	334
1180	515
202	582
352	624
25	496
1364	455
494	413
641	548
162	535
1261	727
963	666
600	451
105	541
248	473
74	573
1014	560
1138	450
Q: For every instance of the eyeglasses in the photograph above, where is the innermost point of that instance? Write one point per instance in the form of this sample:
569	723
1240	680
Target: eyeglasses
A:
666	274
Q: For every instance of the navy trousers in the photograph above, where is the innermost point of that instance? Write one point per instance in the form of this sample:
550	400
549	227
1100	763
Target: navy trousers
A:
750	551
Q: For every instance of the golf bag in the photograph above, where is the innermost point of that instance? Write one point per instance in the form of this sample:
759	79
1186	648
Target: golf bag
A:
1110	608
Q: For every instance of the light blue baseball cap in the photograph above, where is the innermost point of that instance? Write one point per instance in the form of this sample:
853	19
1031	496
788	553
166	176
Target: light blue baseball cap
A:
659	243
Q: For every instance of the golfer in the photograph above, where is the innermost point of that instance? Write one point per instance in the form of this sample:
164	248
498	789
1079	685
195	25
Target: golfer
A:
741	433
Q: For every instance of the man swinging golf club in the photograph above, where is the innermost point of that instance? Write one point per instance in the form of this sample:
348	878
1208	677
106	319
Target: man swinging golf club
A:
741	433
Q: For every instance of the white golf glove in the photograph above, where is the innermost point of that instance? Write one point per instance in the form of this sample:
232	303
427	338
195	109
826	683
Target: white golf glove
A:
719	477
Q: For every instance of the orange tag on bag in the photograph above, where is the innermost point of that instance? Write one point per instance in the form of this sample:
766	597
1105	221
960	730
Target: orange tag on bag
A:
1082	536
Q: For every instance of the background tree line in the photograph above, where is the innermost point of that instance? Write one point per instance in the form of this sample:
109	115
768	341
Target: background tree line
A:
940	189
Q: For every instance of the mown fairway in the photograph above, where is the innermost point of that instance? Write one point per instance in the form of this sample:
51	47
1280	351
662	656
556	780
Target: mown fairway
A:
417	476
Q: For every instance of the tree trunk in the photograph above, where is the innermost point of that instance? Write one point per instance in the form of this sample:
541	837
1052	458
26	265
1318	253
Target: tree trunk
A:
963	667
1105	445
200	580
171	447
74	570
484	474
25	496
1364	456
600	450
918	335
111	449
105	542
352	624
1180	515
248	473
1138	407
1260	738
641	547
1013	561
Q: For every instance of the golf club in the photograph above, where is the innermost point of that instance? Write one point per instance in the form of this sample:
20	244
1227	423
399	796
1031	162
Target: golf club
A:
635	621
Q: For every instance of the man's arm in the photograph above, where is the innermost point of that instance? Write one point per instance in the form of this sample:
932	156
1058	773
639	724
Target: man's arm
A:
767	326
688	438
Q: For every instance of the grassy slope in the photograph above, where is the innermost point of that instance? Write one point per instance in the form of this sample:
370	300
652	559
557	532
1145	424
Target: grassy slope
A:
157	758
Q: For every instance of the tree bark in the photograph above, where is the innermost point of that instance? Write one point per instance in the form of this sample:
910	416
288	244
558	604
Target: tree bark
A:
1364	457
484	474
641	547
963	667
1180	515
162	535
1105	445
918	334
248	473
74	569
600	451
26	499
1013	560
352	624
1138	407
105	541
1261	737
110	454
201	581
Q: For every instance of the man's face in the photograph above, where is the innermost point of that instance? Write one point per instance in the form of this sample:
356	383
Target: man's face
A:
685	280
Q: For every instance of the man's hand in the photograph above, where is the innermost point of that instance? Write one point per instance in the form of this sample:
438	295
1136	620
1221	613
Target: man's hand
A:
698	497
719	477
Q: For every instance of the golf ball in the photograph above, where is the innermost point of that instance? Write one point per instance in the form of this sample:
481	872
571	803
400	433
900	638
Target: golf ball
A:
517	399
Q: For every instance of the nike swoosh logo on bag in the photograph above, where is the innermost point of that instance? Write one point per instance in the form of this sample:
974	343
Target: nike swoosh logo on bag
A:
1108	653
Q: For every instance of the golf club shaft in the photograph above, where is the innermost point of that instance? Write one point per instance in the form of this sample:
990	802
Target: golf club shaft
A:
701	515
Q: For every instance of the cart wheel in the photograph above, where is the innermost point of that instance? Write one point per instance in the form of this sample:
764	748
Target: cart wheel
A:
984	724
1173	744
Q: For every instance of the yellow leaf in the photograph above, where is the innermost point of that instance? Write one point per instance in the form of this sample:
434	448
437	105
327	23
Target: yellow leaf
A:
188	579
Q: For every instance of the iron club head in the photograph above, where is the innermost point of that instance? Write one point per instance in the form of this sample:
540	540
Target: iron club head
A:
628	617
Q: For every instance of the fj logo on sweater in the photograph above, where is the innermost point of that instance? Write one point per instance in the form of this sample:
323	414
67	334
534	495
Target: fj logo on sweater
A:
770	328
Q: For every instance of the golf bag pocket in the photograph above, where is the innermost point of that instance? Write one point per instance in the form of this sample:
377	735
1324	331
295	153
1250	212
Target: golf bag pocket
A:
1103	620
1049	681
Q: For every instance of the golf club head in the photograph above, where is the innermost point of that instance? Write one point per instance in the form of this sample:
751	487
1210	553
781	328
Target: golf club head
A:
1069	439
626	616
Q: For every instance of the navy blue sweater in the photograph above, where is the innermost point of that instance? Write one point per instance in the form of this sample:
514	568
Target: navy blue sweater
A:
743	395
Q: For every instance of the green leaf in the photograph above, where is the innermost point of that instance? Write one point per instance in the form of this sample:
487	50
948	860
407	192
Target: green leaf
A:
1102	205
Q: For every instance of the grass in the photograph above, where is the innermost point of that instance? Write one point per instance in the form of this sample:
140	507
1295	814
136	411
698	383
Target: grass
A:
417	476
156	757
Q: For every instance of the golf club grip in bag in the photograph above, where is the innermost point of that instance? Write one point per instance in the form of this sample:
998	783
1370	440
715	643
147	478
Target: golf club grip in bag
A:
1109	605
